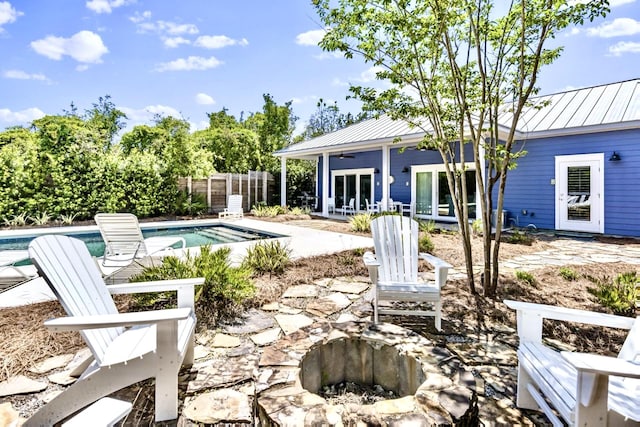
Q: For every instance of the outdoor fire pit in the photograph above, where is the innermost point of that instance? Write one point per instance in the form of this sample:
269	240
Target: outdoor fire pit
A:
423	388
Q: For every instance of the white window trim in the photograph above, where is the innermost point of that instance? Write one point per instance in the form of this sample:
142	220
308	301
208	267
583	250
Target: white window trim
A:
357	172
434	168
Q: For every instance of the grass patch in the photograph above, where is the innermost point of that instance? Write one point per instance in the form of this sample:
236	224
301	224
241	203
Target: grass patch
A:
525	277
267	257
620	296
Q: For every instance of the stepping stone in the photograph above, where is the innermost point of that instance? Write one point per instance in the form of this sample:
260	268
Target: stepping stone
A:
292	322
225	341
224	372
285	309
266	337
21	385
347	317
51	363
272	306
328	305
251	322
219	406
62	378
8	415
301	291
349	287
200	352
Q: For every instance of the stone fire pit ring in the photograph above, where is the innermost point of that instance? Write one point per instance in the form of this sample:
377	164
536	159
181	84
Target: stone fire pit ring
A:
432	389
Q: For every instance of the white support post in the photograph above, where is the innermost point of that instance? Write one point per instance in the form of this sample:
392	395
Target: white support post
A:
189	185
248	190
209	207
385	177
264	186
325	183
315	203
283	181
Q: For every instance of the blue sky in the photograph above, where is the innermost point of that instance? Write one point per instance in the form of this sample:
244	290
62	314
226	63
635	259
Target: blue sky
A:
192	57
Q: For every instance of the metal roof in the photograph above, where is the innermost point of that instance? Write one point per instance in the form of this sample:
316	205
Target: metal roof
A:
596	108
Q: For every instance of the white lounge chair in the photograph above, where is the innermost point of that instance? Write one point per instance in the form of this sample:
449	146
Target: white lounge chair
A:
394	268
331	205
124	242
234	207
127	347
583	389
9	259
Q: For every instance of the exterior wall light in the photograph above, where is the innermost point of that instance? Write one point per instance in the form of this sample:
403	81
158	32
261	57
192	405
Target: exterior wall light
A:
615	157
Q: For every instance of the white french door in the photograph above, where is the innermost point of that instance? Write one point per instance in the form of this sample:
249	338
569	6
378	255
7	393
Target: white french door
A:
579	193
352	184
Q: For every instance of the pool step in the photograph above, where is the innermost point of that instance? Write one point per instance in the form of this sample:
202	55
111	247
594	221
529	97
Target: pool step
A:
227	234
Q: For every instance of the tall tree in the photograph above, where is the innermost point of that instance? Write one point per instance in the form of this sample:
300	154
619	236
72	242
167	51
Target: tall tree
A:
105	118
451	67
328	118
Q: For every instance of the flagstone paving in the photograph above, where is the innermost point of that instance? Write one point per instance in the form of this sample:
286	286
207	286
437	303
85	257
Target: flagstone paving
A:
251	369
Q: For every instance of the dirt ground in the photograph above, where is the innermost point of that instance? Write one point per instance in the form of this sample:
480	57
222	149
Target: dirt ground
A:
24	341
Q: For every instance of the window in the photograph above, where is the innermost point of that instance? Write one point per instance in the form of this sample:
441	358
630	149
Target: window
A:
431	194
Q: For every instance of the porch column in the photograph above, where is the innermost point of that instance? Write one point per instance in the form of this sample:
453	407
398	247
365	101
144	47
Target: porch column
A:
325	183
385	177
283	181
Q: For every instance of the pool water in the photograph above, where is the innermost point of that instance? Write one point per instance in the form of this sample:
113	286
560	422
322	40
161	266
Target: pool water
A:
194	237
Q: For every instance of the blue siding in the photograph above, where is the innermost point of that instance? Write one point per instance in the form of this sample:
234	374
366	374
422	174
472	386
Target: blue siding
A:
529	185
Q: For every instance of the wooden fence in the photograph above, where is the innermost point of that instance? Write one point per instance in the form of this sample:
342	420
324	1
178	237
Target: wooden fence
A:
254	186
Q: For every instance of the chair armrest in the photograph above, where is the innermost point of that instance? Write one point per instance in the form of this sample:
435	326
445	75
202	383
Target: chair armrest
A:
572	315
529	318
602	365
434	260
155	286
77	323
184	288
370	260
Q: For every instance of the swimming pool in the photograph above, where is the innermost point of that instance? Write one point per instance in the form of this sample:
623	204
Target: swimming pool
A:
194	236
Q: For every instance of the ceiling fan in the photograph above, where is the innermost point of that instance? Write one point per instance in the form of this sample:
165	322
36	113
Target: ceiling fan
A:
345	156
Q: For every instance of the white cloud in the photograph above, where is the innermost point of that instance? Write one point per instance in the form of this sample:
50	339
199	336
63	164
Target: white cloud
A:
339	82
84	46
310	38
20	117
328	55
617	27
304	100
8	14
624	47
174	42
218	42
190	63
615	3
368	75
204	99
140	17
167	27
201	125
22	75
148	113
105	6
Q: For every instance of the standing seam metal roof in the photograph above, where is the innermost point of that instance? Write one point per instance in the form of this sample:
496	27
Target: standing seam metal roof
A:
603	105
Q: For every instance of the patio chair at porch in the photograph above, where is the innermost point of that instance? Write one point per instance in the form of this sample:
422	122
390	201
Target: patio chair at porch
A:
234	207
350	208
371	208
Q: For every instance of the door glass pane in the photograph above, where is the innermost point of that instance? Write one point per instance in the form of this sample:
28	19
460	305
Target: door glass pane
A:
339	196
350	185
445	201
365	190
579	193
471	192
424	193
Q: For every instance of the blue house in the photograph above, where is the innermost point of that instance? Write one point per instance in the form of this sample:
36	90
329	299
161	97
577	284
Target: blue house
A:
580	172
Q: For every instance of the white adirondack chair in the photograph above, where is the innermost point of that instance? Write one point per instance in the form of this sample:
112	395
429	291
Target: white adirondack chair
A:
394	268
584	389
124	242
234	207
128	347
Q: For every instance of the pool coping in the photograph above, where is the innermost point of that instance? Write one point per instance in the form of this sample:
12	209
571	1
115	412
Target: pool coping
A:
302	241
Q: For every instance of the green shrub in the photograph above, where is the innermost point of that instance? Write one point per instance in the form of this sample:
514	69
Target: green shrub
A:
67	219
267	211
525	277
298	211
568	274
476	226
40	219
359	251
519	238
361	222
621	295
427	226
267	257
224	284
190	204
16	220
425	244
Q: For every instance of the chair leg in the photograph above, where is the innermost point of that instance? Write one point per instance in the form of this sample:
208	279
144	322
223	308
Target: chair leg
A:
438	310
167	377
524	399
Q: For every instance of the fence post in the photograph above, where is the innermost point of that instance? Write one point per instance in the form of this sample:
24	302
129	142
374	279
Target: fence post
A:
209	207
264	187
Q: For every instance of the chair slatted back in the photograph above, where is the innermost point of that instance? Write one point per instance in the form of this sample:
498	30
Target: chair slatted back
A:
121	234
235	203
72	274
396	242
631	348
